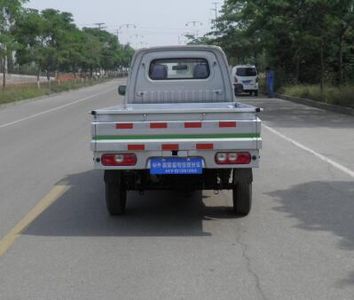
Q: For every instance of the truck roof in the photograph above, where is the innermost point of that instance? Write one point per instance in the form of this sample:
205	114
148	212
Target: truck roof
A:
179	48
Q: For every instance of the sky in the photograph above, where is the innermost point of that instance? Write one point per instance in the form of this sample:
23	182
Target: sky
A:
141	23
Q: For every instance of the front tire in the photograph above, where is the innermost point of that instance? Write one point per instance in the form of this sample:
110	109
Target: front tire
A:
242	198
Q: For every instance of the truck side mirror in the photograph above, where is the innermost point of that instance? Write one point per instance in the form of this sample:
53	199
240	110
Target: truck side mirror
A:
122	90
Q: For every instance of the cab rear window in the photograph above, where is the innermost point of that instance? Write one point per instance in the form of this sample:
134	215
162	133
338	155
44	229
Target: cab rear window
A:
179	68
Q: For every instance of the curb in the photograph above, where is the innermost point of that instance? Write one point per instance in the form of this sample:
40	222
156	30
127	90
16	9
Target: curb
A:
321	105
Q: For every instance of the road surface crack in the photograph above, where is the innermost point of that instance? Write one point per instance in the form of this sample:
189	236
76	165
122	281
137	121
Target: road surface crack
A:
245	256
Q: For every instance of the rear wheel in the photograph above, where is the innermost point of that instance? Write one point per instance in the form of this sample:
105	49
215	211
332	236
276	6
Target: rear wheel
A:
116	196
242	198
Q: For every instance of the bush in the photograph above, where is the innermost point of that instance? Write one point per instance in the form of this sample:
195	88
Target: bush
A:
343	95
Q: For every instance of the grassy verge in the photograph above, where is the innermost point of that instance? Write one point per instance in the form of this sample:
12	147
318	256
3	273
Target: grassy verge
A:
14	93
343	95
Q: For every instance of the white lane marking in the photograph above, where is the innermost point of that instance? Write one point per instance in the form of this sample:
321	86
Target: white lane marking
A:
318	155
53	109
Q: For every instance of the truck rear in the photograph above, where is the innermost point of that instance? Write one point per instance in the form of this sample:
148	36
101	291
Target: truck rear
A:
179	127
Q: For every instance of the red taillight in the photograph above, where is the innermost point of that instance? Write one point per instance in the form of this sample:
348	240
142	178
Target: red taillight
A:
227	124
205	146
158	125
233	158
193	125
136	147
169	147
124	126
120	159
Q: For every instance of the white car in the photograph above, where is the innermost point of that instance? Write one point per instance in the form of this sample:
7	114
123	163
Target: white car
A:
245	79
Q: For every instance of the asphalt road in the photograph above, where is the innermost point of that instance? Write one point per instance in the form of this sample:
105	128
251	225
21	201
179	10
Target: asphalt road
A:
58	242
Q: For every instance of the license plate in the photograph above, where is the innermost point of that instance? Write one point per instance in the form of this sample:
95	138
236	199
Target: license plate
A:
176	166
246	81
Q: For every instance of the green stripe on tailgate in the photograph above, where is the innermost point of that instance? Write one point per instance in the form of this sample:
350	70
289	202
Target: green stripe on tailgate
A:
178	136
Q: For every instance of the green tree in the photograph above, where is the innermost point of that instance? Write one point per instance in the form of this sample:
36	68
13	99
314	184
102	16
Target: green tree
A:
125	56
9	12
32	34
306	41
105	52
73	52
51	42
58	27
92	60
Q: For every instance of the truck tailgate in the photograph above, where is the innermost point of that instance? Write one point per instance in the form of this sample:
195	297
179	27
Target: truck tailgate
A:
119	130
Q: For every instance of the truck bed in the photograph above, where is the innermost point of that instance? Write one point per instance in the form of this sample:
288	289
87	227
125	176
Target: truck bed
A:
191	129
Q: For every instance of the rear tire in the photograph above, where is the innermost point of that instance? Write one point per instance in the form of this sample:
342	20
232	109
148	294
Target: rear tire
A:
116	197
242	198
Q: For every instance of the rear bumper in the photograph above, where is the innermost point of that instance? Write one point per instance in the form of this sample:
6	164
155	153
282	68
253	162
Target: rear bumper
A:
208	157
146	149
247	87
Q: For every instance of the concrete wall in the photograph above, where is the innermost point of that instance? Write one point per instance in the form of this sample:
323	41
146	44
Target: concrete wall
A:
20	79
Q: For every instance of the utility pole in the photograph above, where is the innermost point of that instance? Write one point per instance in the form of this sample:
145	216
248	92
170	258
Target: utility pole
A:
126	26
194	24
215	9
100	25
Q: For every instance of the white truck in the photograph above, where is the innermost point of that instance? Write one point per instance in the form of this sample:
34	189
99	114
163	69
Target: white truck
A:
179	127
